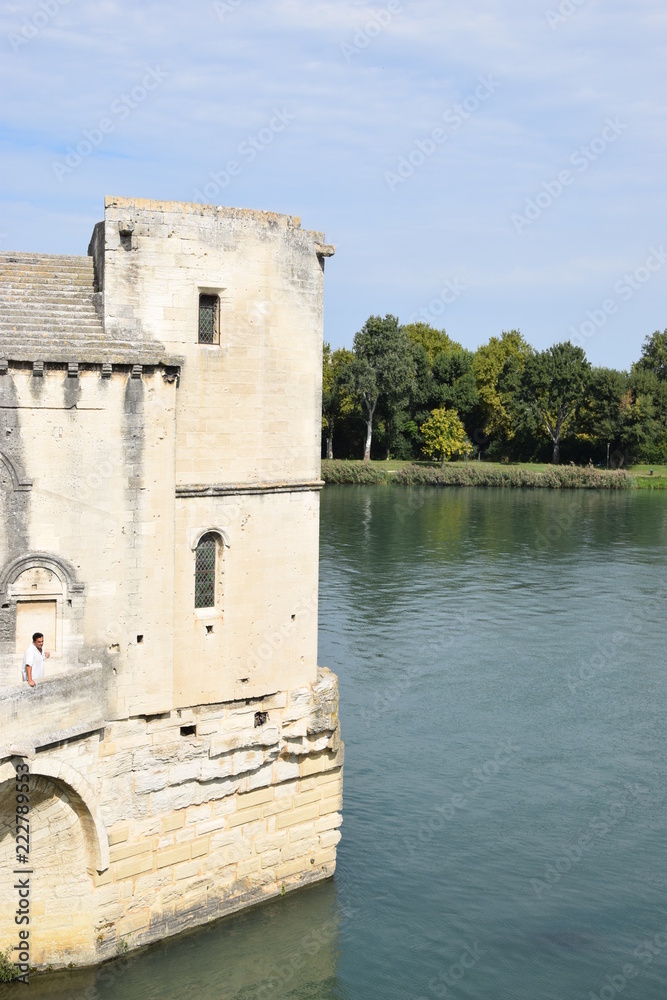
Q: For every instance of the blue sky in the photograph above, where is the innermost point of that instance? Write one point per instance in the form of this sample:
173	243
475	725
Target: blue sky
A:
487	165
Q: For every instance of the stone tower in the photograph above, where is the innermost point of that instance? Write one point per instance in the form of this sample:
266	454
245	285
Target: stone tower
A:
159	458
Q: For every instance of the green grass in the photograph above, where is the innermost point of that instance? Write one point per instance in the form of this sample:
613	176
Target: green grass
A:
393	465
659	471
643	479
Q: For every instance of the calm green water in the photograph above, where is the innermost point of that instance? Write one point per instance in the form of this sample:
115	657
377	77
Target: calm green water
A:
502	660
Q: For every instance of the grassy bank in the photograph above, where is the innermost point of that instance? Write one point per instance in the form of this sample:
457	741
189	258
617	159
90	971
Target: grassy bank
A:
480	474
643	479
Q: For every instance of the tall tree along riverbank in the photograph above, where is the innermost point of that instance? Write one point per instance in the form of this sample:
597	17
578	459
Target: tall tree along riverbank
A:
410	392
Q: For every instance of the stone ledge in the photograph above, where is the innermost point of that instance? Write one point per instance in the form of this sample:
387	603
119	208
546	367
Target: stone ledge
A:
57	358
233	489
28	749
33	717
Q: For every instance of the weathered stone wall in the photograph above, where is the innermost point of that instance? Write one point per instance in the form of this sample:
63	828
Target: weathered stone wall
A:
247	426
57	708
99	455
186	761
262	634
249	409
202	811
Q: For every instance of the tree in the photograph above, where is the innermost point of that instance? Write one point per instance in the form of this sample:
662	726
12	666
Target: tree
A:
491	365
444	435
654	355
601	419
382	369
443	377
454	381
433	341
336	402
554	384
645	406
644	415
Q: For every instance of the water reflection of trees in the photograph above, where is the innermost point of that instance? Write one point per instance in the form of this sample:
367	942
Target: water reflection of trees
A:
382	543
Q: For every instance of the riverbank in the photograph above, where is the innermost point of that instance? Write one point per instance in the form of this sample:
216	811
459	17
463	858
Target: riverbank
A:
535	476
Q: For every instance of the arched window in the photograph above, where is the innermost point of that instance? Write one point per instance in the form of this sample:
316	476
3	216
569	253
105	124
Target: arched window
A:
205	560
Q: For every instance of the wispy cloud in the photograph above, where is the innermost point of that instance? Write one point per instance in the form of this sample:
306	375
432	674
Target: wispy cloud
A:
352	121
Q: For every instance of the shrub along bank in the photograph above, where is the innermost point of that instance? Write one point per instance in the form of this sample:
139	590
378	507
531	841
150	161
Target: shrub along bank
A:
476	474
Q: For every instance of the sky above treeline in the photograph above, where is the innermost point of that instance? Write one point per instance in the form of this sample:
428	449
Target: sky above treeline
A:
481	166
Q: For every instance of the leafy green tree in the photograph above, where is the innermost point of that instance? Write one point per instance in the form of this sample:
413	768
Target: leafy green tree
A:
382	370
491	365
644	409
601	419
433	341
336	402
443	377
444	435
554	385
654	355
454	381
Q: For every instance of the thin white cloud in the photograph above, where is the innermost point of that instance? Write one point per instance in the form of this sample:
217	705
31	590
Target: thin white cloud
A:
355	116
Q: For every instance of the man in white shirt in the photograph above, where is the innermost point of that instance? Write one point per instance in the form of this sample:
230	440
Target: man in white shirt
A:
33	661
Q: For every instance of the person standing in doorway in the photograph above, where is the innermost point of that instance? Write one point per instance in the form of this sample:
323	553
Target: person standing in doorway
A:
33	661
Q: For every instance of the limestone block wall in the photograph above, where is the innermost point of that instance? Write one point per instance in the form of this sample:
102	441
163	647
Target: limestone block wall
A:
186	761
249	407
57	708
96	457
262	634
200	812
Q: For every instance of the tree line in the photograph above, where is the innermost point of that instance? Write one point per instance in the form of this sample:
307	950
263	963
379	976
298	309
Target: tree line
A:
410	391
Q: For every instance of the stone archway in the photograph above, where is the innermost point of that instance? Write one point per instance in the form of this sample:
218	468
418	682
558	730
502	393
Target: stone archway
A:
67	844
83	798
39	592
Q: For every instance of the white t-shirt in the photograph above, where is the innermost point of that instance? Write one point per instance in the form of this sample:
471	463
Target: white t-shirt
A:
33	658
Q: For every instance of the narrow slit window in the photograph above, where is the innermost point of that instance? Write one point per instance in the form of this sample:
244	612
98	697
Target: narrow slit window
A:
209	311
205	572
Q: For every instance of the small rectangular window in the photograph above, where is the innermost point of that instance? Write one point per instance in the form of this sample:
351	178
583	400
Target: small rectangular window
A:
209	313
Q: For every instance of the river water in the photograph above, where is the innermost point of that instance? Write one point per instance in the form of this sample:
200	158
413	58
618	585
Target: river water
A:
502	659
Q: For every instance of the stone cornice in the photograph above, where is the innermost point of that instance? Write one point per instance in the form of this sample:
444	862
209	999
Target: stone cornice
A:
238	489
108	362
